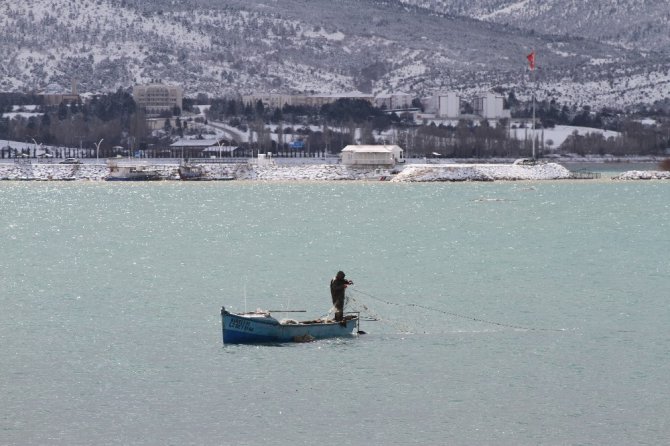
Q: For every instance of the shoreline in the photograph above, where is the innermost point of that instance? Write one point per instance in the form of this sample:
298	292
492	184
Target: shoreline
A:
311	171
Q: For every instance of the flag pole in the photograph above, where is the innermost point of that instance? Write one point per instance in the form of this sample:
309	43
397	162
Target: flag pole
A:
531	62
533	132
533	91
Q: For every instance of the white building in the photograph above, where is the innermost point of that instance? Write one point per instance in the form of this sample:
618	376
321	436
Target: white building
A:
490	106
157	97
394	101
448	105
445	105
398	153
372	155
270	100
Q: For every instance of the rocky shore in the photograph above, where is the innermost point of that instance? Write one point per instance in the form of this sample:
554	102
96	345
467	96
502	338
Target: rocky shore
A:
643	175
312	172
481	172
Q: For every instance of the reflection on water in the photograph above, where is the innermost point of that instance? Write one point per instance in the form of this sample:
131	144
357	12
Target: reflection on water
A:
111	333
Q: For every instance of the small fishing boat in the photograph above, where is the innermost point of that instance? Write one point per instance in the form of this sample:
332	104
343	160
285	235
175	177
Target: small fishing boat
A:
189	172
132	172
260	327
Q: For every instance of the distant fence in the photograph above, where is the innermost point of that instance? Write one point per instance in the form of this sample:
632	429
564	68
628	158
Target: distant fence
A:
584	175
236	160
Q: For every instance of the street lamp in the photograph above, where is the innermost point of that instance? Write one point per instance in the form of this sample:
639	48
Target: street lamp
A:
219	144
97	148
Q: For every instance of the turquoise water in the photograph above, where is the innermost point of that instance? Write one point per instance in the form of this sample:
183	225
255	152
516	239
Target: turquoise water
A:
510	313
609	170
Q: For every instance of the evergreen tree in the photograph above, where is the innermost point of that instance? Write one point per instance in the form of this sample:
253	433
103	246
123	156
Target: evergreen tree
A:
62	111
259	109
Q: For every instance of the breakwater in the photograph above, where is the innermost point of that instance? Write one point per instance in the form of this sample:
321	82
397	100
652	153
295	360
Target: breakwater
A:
310	172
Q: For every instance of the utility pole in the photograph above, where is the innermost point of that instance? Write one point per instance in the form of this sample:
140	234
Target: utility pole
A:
531	61
97	149
35	149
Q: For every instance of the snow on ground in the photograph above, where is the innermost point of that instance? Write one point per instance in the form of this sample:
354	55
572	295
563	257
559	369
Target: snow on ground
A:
18	145
336	36
481	172
13	115
550	138
508	10
643	175
559	133
229	131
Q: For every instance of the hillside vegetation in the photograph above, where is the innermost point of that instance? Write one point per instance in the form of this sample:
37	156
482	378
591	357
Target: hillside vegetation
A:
232	47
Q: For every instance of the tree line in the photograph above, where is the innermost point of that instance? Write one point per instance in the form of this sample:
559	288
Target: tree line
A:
115	119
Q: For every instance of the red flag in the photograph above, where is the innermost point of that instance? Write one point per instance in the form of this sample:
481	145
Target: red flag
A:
531	60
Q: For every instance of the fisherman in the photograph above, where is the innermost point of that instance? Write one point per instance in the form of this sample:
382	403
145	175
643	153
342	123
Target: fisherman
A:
337	286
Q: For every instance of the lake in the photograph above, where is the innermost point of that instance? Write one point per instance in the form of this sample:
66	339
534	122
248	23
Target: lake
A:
508	313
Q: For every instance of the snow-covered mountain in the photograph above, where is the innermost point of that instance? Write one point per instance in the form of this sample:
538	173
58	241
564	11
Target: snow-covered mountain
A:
238	46
639	24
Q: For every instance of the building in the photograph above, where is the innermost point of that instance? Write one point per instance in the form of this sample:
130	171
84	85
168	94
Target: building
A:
156	97
269	100
202	148
398	153
53	94
272	100
318	100
448	105
372	155
444	105
490	106
394	101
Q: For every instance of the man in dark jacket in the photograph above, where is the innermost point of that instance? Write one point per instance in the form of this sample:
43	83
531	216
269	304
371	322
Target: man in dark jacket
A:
337	286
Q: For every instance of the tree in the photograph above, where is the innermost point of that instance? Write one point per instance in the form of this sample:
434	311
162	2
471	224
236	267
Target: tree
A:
62	111
259	109
512	101
381	122
277	116
231	108
354	110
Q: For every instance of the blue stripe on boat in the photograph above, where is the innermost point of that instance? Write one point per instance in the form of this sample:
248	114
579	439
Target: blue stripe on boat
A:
259	328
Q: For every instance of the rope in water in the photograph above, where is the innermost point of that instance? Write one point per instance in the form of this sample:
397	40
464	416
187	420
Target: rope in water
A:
462	316
364	309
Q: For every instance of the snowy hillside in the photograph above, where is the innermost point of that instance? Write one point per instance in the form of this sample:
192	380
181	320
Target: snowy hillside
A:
632	23
236	47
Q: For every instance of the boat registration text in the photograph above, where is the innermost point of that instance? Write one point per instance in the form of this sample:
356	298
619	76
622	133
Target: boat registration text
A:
240	324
